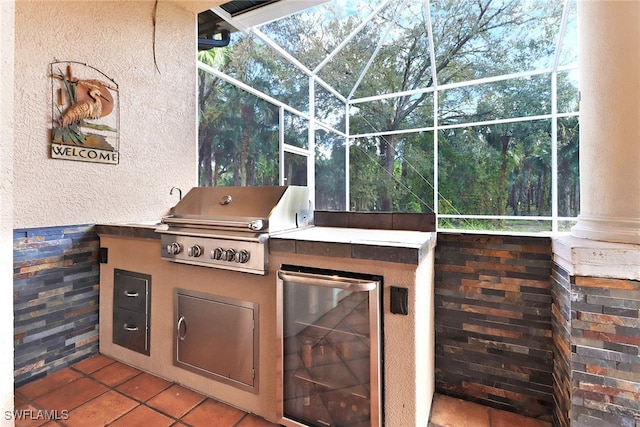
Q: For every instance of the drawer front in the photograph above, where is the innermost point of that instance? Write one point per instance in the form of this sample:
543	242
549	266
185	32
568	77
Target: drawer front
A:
131	330
131	291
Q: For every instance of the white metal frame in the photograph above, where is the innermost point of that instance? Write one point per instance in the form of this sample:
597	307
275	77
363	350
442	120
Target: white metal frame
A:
348	101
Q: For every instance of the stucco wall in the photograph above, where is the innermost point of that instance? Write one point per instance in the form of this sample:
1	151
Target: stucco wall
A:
6	213
157	110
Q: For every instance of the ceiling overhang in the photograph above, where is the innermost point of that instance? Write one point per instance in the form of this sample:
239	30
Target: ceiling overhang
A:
196	6
240	15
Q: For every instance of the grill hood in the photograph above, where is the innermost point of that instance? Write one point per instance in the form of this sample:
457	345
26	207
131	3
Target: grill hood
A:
250	209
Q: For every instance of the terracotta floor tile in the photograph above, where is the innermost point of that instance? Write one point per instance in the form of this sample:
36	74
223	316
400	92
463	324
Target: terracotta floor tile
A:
71	396
101	410
18	401
213	413
143	416
115	373
143	387
509	419
28	416
93	363
91	404
46	384
450	412
252	420
175	401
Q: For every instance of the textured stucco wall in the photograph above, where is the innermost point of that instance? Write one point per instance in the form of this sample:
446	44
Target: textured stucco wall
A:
157	110
6	203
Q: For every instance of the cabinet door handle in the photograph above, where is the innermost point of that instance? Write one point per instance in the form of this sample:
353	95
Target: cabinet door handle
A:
182	321
129	328
130	294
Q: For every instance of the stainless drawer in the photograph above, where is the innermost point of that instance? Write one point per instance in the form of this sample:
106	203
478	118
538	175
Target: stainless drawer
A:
131	291
130	329
132	310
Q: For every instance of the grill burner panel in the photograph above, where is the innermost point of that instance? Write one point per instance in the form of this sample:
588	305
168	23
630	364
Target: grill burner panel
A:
228	254
229	227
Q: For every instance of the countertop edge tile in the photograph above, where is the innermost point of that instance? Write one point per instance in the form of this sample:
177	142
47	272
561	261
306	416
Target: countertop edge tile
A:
140	231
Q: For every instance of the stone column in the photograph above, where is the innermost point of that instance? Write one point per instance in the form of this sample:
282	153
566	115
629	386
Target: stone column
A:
596	272
609	64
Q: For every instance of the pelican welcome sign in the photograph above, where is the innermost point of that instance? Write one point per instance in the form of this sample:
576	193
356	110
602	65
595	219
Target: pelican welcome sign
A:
85	114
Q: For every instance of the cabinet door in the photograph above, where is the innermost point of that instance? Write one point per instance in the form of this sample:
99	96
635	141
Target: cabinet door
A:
217	337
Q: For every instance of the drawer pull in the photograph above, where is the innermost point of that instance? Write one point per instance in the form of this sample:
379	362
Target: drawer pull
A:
129	328
130	294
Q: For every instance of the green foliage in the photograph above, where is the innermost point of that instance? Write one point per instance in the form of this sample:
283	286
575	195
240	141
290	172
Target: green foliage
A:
238	139
330	171
70	134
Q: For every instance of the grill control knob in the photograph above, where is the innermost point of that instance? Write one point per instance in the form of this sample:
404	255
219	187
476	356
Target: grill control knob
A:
229	255
174	248
242	256
217	253
194	251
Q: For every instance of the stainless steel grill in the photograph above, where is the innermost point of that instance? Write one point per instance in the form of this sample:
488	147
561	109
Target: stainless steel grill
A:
229	227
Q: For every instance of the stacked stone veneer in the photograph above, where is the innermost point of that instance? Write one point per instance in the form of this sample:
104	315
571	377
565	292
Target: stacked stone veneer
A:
561	320
493	323
56	279
605	360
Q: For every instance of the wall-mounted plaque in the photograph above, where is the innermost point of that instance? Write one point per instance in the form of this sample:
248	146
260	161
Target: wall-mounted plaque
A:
85	114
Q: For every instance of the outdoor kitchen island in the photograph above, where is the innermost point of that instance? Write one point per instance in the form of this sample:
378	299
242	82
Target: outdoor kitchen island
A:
403	258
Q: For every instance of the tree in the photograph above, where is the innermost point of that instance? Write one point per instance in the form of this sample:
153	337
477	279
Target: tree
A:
238	131
468	38
208	92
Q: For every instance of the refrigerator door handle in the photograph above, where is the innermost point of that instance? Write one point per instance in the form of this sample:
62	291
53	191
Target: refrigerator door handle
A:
346	283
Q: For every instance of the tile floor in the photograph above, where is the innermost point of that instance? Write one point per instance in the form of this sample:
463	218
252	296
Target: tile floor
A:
450	412
100	391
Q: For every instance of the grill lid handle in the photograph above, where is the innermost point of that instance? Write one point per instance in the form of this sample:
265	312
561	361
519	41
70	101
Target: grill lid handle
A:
256	225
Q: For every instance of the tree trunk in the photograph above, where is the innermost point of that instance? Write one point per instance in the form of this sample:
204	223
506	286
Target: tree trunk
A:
205	162
541	193
386	197
505	139
216	172
246	113
205	139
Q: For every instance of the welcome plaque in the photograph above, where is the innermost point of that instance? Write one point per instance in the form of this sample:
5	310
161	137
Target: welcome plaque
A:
85	114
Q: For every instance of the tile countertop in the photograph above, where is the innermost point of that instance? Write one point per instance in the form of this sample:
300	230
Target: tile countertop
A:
139	230
363	236
402	246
